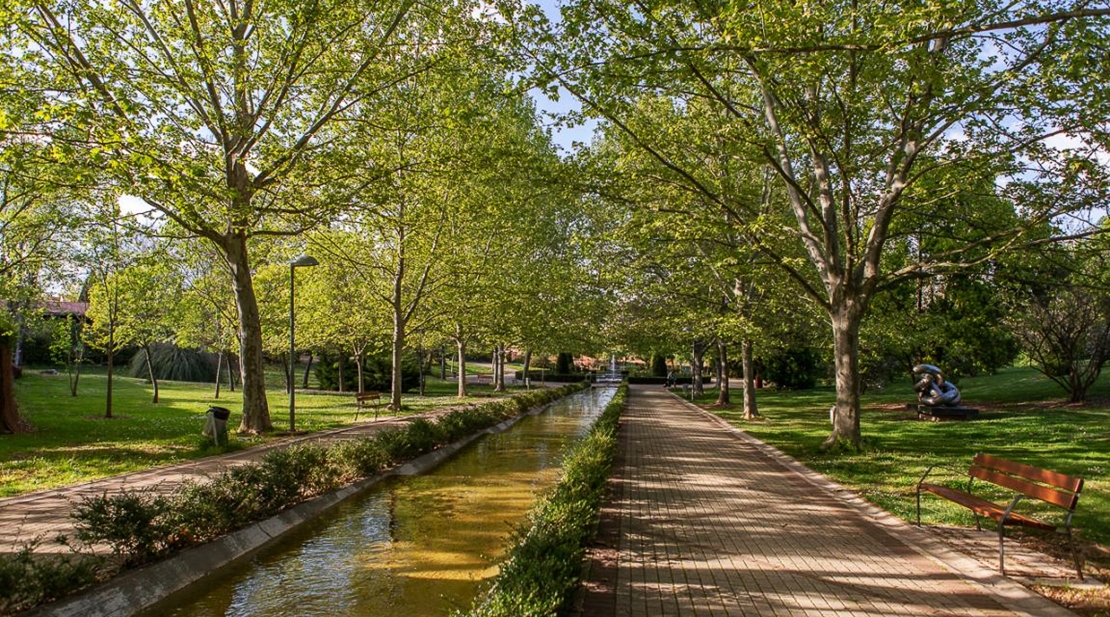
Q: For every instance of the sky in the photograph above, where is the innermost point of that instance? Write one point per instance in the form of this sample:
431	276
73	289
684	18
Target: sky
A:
563	137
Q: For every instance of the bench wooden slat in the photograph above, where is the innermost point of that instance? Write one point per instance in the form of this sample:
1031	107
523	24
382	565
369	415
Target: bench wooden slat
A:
1025	487
982	507
1072	484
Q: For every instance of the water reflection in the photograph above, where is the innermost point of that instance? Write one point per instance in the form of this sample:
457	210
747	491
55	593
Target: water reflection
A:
418	545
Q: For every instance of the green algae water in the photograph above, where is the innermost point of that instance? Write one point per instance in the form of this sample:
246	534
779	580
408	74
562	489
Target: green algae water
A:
412	546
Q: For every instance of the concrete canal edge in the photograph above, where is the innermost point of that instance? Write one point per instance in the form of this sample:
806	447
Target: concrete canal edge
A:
142	588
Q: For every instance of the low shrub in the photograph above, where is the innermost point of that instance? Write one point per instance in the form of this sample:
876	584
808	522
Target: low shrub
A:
27	580
540	575
130	523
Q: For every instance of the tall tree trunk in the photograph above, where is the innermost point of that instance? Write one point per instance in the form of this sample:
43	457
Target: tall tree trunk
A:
420	369
219	369
150	373
527	366
111	366
442	364
461	344
499	369
231	358
751	411
696	381
846	320
358	367
256	410
723	395
288	370
307	370
10	419
398	352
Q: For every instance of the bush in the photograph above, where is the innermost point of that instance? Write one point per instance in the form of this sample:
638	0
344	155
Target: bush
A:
658	366
564	363
174	363
793	369
131	523
27	580
376	373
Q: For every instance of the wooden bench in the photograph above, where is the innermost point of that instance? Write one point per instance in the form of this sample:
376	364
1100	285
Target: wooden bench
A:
1049	486
484	378
362	399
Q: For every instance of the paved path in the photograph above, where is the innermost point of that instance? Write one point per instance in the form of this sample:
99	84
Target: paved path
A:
709	521
43	515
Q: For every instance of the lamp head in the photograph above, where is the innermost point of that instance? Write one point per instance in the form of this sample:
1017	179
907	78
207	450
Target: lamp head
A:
304	261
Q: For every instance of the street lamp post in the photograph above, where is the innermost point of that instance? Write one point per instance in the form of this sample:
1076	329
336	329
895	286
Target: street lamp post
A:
302	261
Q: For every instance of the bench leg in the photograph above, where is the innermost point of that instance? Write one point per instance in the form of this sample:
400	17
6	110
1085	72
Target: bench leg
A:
1001	551
1074	555
1002	531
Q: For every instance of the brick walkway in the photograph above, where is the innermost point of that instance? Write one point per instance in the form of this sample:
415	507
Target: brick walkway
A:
708	521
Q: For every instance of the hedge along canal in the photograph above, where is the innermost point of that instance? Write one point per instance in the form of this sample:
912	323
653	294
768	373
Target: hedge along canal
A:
417	545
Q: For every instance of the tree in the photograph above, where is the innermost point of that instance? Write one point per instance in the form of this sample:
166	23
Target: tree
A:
856	107
1063	321
35	216
140	304
221	116
67	348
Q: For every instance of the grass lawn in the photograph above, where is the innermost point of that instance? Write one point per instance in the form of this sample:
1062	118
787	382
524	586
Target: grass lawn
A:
73	442
1023	417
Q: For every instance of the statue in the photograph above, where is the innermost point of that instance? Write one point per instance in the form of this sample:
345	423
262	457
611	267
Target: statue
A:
932	389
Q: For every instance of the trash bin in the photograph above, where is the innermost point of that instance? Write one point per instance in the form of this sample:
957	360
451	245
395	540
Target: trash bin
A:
215	427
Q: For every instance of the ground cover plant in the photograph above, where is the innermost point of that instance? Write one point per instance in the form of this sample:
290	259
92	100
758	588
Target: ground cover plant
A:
143	525
72	442
542	569
1023	417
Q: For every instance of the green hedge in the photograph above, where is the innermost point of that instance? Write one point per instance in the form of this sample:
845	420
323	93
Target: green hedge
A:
142	525
541	573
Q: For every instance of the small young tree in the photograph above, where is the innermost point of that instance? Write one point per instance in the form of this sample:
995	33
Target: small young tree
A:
67	348
135	306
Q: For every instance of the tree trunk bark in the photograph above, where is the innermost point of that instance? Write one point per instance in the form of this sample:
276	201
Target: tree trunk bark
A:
499	369
111	362
256	409
219	369
150	373
527	366
307	370
696	382
724	397
358	367
751	410
398	352
461	344
846	422
288	370
230	372
10	419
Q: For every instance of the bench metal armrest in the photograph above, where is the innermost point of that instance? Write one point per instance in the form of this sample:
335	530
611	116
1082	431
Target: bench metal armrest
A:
921	481
1009	510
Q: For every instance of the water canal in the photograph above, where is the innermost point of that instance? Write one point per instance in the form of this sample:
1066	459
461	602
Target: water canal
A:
418	545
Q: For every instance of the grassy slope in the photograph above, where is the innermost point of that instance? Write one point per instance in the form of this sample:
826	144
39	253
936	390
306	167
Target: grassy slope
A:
1023	417
73	442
